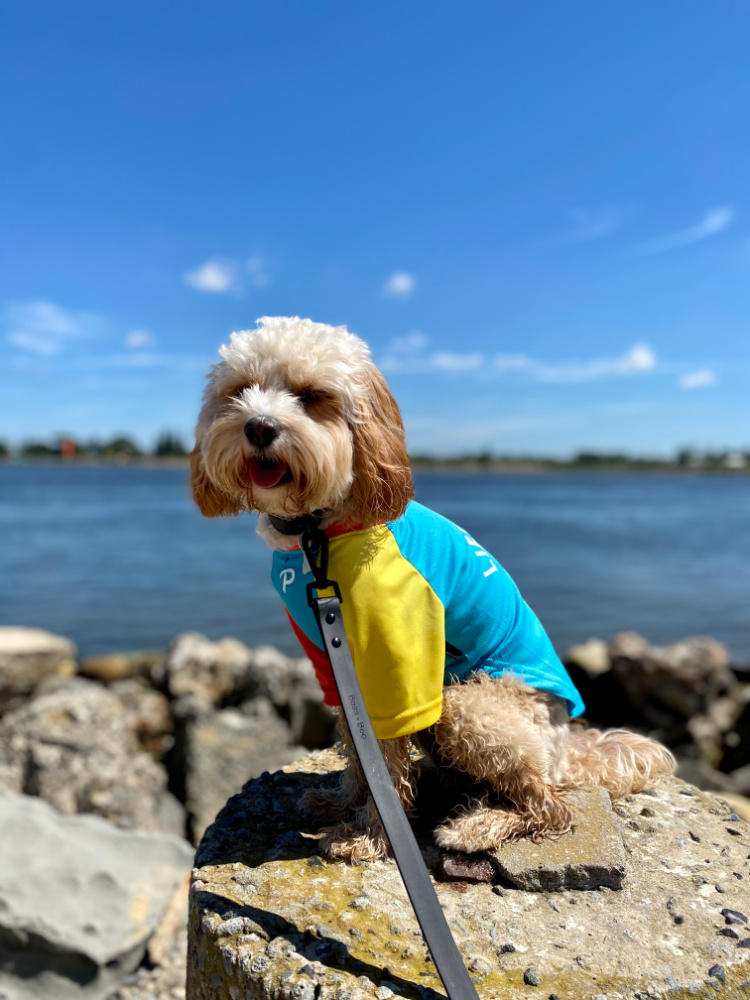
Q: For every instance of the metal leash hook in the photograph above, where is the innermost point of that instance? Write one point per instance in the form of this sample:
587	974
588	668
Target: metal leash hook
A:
445	954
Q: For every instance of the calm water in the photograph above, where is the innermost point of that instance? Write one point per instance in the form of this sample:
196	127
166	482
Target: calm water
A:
118	558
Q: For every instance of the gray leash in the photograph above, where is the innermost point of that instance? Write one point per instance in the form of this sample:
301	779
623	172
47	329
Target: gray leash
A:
437	935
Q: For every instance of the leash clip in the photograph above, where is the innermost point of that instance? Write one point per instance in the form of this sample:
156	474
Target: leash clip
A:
314	537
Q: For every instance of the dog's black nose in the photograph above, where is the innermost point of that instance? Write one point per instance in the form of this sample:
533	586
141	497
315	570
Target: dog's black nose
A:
261	431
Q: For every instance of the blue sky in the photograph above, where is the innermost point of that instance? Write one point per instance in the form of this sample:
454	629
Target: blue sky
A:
536	214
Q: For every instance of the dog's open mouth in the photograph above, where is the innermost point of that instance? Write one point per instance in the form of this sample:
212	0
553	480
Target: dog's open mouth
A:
268	474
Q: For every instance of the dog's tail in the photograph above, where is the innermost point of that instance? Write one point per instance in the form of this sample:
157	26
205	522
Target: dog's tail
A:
617	759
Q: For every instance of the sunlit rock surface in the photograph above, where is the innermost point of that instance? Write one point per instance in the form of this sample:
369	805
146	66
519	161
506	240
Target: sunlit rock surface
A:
270	918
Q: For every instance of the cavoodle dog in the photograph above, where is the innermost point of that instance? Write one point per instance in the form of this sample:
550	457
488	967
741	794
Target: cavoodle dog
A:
297	419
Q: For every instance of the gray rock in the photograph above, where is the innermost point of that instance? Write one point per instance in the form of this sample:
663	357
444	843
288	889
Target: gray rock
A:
75	748
480	966
591	656
227	673
717	971
741	779
737	754
626	937
684	679
292	688
27	657
223	750
703	776
147	713
79	900
531	977
112	667
591	856
212	670
730	932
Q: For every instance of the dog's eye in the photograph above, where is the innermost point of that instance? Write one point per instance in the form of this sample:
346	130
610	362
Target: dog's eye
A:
308	396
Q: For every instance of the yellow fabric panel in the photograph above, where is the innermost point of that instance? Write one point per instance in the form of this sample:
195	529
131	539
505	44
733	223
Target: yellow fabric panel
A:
396	629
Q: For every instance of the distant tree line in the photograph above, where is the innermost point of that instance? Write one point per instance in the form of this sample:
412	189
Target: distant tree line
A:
685	458
120	448
170	445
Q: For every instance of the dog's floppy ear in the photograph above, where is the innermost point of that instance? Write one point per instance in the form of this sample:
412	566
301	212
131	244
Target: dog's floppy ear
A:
210	501
382	484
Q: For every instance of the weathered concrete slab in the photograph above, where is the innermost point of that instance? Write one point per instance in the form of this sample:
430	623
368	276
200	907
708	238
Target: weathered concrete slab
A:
591	857
271	919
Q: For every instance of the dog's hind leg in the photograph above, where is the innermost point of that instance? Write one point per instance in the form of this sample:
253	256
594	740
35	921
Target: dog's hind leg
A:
511	739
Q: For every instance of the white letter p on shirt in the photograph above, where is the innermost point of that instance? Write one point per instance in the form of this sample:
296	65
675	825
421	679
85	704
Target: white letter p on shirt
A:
287	578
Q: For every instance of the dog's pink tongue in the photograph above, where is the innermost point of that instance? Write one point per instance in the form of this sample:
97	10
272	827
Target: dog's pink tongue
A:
266	474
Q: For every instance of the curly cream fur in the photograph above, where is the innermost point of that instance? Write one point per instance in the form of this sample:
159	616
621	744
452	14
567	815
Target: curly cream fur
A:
517	741
346	455
346	451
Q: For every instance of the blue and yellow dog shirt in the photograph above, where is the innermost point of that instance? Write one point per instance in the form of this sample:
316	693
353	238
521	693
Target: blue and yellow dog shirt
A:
424	605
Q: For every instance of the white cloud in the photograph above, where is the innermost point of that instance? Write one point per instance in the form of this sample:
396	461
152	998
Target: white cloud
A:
713	222
637	359
412	342
512	362
138	339
399	285
33	342
256	269
448	361
219	276
441	434
701	379
215	276
408	355
590	226
44	327
141	359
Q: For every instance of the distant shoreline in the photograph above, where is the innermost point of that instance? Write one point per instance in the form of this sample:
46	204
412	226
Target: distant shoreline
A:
468	466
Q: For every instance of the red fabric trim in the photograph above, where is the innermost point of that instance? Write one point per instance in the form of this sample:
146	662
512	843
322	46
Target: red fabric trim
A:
320	664
338	529
342	529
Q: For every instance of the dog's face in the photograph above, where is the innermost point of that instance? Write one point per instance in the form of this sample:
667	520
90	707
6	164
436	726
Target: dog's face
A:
297	418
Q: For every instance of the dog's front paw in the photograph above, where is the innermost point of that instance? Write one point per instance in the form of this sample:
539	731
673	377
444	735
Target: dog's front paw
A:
483	827
454	835
349	842
478	827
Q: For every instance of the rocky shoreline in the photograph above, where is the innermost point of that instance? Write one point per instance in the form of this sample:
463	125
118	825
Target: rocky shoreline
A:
153	744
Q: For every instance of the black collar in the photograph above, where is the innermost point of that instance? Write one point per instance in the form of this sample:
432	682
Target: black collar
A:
296	525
